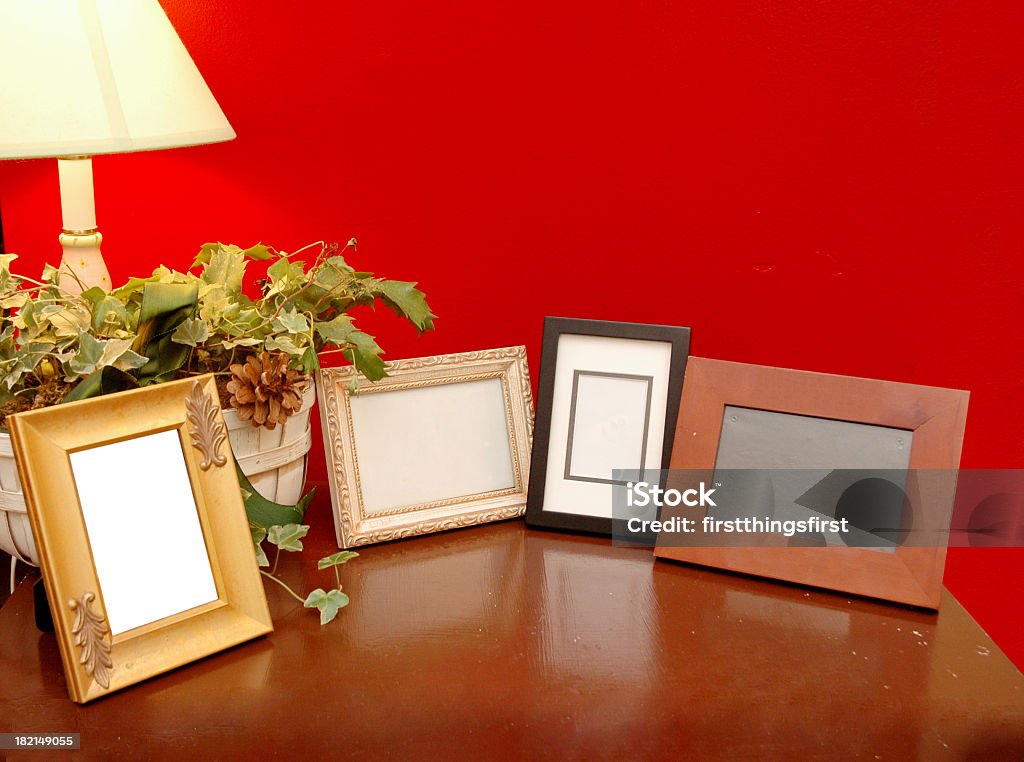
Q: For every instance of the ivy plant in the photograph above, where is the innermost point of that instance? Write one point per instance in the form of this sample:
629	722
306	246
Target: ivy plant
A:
58	347
300	310
281	527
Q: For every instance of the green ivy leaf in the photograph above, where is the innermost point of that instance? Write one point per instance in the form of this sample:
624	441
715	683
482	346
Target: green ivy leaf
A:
266	513
335	331
315	598
245	341
90	350
333	273
342	557
226	266
205	253
407	301
32	353
94	294
291	322
329	603
68	323
259	252
280	270
284	272
365	355
50	274
23	359
7	345
191	332
94	354
288	537
259	534
129	360
14	300
309	361
136	285
214	304
108	314
118	352
284	344
247	319
37	313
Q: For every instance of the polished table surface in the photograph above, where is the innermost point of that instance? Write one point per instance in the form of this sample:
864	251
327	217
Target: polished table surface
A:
503	642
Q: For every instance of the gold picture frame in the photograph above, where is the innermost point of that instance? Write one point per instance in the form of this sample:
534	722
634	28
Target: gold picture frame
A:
81	465
441	443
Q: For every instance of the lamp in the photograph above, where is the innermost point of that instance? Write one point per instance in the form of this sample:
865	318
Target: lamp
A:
86	77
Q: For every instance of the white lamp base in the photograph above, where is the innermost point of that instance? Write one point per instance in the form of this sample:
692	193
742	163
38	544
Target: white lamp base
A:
82	266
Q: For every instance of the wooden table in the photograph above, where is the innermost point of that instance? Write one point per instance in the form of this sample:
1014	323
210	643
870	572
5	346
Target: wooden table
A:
501	642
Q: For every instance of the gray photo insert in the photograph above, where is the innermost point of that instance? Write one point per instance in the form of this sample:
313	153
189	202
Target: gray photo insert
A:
609	423
790	466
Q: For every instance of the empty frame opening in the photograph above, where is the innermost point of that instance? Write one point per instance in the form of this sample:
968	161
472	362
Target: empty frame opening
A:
143	528
792	467
609	420
609	402
418	446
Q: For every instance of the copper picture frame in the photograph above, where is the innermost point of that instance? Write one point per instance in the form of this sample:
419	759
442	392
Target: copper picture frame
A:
935	417
143	539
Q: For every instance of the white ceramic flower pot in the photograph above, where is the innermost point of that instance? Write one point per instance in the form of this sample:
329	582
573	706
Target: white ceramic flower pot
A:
15	532
274	461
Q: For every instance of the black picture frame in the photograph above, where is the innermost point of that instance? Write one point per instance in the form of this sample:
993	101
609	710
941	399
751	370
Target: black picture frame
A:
554	328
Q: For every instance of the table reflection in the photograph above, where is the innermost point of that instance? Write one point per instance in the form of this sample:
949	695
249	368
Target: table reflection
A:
470	586
600	616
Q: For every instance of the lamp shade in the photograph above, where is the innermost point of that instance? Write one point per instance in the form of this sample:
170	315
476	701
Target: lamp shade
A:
85	77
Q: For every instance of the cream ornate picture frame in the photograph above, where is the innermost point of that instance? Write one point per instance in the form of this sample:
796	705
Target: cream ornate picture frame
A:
440	443
142	535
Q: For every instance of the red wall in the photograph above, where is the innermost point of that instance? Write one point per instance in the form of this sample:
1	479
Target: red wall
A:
819	185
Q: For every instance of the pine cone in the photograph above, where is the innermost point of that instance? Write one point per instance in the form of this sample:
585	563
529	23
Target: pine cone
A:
264	390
